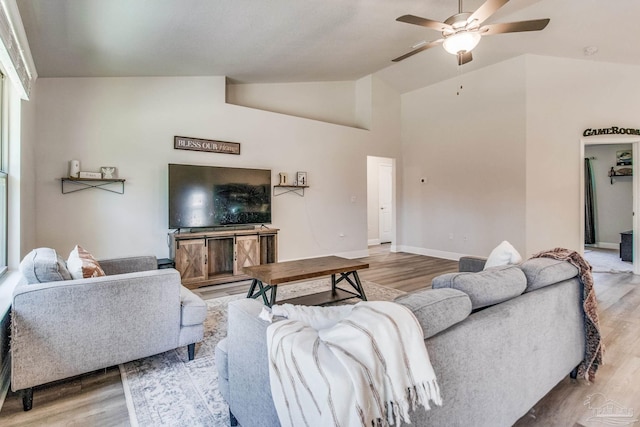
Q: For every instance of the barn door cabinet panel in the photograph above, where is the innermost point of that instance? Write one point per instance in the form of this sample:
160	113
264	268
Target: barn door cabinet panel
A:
191	260
247	253
215	257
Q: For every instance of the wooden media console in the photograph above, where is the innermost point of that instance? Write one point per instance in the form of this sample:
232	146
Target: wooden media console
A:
206	258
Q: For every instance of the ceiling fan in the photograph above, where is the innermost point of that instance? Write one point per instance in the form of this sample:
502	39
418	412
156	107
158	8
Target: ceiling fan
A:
462	31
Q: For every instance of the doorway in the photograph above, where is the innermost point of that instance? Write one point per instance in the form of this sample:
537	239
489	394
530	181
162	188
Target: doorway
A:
616	201
380	200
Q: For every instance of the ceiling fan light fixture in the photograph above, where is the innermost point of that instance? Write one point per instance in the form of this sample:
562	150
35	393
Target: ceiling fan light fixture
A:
462	32
461	42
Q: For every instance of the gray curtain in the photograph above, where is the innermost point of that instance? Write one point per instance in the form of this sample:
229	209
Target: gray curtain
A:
589	209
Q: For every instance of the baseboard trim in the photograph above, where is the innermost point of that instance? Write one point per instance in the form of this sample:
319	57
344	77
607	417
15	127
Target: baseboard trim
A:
430	252
354	254
605	245
373	242
349	255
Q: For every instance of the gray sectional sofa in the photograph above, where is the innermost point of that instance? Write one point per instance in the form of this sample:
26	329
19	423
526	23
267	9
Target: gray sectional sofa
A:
499	340
63	328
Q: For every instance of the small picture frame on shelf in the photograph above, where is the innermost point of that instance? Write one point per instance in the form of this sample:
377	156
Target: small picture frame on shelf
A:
90	175
109	172
301	179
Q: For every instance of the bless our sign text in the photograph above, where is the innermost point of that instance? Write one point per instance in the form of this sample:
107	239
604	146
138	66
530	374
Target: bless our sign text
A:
211	146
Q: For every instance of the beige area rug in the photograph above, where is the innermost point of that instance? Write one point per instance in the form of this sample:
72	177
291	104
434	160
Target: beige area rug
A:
168	390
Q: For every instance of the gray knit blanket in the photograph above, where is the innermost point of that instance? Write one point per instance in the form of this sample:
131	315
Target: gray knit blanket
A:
594	347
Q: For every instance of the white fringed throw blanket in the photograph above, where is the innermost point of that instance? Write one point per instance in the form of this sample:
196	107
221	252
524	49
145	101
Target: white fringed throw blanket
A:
367	366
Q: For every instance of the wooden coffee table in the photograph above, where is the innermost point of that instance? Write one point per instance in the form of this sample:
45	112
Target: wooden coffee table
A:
267	277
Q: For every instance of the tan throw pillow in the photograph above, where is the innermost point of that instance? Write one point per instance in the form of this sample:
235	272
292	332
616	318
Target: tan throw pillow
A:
81	264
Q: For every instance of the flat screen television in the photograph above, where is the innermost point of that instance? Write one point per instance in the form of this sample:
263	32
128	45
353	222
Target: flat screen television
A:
213	196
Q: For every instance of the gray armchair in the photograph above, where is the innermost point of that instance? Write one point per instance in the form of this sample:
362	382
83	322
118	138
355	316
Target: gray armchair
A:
66	328
471	264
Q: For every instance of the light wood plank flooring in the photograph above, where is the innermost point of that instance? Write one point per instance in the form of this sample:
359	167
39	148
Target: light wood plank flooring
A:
97	399
402	271
618	380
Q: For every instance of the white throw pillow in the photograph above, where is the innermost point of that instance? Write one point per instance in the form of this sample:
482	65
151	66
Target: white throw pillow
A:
503	254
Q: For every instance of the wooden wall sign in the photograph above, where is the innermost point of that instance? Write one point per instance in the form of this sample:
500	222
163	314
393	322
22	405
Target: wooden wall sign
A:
613	130
208	145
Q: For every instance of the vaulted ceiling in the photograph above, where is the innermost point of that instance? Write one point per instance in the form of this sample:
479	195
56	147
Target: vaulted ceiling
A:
273	41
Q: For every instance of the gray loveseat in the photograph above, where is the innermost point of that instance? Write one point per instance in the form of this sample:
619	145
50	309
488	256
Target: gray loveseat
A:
66	328
499	340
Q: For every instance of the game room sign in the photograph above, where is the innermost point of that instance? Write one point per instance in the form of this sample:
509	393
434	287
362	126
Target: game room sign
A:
208	145
613	130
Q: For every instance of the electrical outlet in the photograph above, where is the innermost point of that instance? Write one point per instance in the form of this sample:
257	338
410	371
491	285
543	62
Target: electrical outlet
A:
450	236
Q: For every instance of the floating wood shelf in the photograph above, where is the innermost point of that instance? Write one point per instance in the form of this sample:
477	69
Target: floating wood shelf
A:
618	175
88	183
283	189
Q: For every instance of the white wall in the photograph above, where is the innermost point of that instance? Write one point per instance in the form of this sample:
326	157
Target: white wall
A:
468	145
613	202
331	102
130	123
565	97
502	159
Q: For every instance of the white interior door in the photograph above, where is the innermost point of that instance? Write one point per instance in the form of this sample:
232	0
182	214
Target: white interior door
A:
385	200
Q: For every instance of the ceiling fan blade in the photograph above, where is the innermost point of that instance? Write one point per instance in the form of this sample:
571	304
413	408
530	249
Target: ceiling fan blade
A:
487	9
463	58
420	49
514	27
423	22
